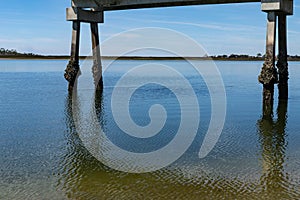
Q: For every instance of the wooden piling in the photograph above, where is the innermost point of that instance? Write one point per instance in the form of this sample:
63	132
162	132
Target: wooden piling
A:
97	66
72	69
268	76
282	64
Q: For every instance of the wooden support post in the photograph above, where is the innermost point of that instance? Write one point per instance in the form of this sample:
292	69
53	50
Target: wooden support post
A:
72	70
282	63
268	76
97	66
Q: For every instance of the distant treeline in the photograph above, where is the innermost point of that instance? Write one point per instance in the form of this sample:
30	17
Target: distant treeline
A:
12	53
259	56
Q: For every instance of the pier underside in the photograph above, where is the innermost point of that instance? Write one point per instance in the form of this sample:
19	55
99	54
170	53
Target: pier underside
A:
135	4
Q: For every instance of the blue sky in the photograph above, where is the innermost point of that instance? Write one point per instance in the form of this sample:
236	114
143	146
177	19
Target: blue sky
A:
39	26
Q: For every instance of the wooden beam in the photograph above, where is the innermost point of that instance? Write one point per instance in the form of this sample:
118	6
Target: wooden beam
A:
78	14
134	4
283	6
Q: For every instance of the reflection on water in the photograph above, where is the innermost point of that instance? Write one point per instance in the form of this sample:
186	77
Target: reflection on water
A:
83	177
272	136
77	165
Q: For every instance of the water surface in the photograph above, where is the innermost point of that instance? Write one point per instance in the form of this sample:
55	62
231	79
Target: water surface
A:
42	156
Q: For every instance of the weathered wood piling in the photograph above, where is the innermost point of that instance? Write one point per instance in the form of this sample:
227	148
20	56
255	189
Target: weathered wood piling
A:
268	75
72	70
97	66
282	64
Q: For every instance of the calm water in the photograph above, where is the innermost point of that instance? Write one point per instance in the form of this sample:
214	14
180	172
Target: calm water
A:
42	156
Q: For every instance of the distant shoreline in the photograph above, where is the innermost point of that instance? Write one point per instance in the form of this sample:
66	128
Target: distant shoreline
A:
63	57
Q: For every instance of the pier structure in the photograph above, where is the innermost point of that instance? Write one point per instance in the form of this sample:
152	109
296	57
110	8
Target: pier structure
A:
93	16
277	10
92	11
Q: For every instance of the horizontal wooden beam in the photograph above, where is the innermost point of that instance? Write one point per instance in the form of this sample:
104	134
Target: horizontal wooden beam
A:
284	6
134	4
78	14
